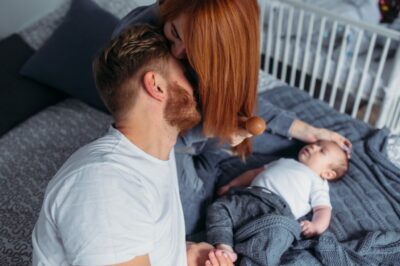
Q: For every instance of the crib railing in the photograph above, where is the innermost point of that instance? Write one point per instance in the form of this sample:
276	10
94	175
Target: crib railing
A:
309	47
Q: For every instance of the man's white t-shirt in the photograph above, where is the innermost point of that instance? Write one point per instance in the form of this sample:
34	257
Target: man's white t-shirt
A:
296	183
109	203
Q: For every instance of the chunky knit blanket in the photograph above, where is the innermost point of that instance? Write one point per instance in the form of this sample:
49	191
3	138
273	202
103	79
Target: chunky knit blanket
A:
365	225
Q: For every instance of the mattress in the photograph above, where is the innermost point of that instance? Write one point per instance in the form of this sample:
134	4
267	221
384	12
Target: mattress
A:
31	153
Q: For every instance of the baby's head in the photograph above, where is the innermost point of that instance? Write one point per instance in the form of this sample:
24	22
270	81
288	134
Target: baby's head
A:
325	158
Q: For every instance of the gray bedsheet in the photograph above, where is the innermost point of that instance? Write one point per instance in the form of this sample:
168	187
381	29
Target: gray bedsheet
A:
30	155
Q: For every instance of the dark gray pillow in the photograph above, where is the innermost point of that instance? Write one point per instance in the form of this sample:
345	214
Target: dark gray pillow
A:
20	97
65	60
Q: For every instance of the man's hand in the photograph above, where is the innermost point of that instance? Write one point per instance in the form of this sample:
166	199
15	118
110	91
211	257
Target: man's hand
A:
198	253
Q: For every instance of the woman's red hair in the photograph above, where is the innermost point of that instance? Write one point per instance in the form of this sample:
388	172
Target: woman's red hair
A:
222	46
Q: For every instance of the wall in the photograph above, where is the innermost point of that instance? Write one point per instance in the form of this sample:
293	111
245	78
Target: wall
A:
17	14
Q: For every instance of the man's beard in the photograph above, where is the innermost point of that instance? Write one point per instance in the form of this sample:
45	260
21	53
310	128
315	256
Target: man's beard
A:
181	109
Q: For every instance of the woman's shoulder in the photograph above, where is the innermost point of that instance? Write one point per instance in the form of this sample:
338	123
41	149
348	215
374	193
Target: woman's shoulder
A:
149	14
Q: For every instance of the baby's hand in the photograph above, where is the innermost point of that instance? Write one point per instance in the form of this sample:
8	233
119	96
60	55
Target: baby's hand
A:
308	229
228	250
218	258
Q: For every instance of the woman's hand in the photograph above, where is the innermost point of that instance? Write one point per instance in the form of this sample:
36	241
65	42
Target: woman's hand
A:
248	127
325	134
238	137
305	132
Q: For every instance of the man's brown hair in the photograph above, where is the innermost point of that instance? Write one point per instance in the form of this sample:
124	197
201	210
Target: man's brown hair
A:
119	66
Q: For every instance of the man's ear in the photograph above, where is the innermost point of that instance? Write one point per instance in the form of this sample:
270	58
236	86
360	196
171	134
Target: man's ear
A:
154	85
328	174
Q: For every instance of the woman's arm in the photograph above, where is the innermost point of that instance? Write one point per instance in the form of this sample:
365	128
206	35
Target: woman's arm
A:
243	180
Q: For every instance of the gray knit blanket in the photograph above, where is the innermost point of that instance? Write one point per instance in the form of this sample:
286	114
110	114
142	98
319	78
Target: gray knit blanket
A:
365	225
379	246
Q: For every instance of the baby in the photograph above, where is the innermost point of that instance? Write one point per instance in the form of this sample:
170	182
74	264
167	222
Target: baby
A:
302	184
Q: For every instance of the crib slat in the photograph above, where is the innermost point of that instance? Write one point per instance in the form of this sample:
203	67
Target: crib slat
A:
287	44
307	55
262	5
297	48
278	37
328	61
364	76
339	66
395	121
318	56
269	38
350	77
392	94
382	62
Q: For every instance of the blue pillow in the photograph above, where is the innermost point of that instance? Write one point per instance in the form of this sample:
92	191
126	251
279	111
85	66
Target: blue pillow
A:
65	60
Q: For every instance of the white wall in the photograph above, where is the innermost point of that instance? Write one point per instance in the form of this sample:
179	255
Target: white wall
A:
17	14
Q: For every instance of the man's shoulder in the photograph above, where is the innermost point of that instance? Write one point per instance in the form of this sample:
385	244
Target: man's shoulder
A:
104	160
95	181
107	151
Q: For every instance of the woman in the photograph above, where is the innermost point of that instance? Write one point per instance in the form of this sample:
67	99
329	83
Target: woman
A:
219	41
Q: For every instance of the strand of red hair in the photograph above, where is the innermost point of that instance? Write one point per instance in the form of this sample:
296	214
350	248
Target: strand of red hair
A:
222	45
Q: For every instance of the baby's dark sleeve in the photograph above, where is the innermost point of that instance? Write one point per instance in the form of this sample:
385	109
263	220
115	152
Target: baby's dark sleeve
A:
219	224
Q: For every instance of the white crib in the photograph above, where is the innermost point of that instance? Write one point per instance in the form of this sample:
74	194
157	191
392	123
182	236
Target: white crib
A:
309	48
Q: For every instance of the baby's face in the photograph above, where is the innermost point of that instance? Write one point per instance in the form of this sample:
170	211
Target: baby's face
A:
321	156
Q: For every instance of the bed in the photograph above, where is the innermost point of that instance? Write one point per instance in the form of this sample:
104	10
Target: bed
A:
337	51
37	144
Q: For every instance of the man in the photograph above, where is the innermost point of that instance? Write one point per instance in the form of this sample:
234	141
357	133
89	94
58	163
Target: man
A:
116	200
